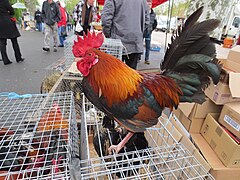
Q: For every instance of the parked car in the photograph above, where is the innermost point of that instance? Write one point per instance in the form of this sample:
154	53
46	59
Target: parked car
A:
163	24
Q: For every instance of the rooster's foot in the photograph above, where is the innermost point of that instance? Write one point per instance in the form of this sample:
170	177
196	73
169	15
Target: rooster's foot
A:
114	148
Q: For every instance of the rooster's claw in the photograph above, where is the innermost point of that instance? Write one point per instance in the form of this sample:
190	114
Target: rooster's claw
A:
114	148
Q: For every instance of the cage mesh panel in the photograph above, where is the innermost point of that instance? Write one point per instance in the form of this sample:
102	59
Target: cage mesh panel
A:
110	46
165	158
38	136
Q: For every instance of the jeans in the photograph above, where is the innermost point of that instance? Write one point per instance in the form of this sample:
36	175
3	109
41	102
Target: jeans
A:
148	45
61	38
39	26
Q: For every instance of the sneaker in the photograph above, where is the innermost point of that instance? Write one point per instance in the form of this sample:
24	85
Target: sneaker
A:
46	49
147	62
20	60
60	45
54	49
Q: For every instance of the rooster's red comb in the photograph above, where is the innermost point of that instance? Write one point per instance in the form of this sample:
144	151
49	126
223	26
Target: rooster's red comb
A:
91	40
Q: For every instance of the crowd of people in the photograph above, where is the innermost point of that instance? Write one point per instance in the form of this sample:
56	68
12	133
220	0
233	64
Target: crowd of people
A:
54	21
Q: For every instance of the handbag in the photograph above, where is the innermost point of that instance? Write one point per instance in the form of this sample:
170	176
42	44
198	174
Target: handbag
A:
78	27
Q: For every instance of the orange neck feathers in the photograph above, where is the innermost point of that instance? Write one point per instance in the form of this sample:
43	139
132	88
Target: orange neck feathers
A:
112	79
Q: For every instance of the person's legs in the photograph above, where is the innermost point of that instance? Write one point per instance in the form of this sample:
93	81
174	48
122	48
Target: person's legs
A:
40	27
3	49
47	33
132	60
60	37
16	49
147	44
55	36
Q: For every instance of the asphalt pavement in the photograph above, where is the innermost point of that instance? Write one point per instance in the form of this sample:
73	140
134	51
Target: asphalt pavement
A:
26	77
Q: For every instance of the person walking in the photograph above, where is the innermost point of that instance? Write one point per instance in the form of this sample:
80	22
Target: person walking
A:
8	30
69	22
148	31
62	30
83	14
51	16
38	19
120	21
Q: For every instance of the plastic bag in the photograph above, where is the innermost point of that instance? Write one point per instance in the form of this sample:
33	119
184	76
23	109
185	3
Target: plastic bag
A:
78	27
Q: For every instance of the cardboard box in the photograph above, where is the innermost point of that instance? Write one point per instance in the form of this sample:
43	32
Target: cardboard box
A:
227	150
234	54
204	154
192	115
227	89
185	140
218	170
230	117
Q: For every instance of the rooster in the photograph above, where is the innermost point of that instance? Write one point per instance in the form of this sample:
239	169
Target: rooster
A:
52	119
135	99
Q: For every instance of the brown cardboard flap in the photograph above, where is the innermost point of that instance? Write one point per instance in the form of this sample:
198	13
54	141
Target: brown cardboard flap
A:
234	81
186	108
234	54
207	151
231	66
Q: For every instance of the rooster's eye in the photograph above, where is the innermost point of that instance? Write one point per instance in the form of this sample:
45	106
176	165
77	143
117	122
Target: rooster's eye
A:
89	54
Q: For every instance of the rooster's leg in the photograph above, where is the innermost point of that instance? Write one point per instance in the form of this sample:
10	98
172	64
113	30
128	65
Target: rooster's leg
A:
117	148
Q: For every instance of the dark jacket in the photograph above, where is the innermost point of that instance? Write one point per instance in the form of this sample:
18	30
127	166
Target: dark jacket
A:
152	25
38	16
50	13
8	28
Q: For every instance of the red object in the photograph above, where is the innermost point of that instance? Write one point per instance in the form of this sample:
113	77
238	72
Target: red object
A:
238	42
13	19
155	3
63	21
236	139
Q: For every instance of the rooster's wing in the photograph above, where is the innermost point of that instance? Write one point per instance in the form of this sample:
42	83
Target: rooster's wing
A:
142	109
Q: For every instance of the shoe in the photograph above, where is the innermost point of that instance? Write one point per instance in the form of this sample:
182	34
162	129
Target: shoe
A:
147	62
46	49
54	49
60	45
21	60
9	62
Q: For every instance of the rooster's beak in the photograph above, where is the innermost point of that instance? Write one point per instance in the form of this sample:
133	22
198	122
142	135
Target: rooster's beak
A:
78	59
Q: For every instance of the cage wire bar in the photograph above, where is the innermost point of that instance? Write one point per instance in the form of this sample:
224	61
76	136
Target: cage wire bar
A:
164	158
69	83
110	46
38	136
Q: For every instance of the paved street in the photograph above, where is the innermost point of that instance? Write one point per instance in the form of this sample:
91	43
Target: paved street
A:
26	77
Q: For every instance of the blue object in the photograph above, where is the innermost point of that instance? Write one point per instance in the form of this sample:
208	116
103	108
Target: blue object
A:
155	48
13	95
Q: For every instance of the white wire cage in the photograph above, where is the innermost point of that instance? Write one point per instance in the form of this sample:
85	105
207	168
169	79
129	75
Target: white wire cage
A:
38	136
74	84
161	158
110	46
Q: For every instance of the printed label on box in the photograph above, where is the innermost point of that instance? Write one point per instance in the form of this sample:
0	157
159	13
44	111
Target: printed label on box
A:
232	123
